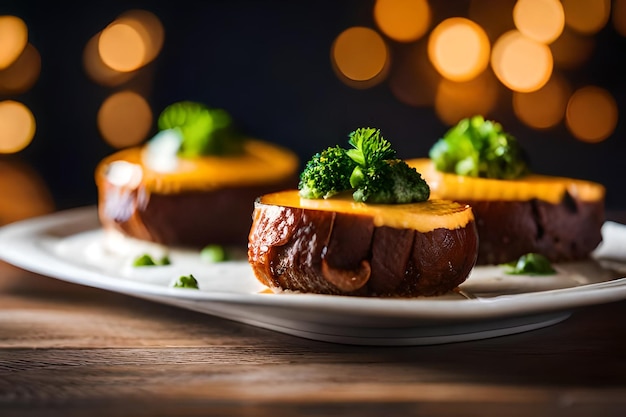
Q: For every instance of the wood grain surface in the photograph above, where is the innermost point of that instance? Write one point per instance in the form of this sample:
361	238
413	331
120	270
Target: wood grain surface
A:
69	350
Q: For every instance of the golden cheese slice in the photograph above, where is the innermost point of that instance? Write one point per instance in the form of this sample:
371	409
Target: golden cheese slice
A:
260	163
547	188
423	217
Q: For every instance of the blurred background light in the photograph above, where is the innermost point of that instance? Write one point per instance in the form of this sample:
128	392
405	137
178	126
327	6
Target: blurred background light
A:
360	54
24	193
591	114
22	74
149	28
586	16
402	20
412	79
17	126
455	101
97	70
459	49
124	119
543	108
540	20
13	39
121	47
571	50
619	16
554	48
521	63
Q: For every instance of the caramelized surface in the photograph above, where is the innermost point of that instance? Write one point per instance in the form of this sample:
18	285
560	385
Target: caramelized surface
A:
423	217
546	188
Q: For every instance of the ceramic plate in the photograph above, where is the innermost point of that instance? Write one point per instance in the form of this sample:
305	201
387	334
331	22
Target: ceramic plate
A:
71	246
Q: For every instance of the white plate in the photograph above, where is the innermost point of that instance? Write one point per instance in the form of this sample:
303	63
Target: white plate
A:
69	245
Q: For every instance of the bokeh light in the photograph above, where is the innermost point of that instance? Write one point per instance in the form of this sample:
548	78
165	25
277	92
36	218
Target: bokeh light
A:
541	20
459	49
133	40
455	101
412	79
520	63
23	73
124	119
97	70
121	47
359	54
149	28
571	49
17	126
586	16
544	108
24	193
402	20
13	39
591	114
619	16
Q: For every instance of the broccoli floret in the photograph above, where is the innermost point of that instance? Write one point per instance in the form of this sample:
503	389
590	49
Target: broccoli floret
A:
327	173
476	147
389	182
369	169
204	130
369	147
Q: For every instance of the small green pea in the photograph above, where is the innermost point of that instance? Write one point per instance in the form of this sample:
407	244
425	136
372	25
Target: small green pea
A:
147	260
214	254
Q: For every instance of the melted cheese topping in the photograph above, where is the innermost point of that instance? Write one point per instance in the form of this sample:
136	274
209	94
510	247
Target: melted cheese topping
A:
542	187
261	163
423	217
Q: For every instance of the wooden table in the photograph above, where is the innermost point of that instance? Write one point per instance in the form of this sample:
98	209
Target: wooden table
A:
69	350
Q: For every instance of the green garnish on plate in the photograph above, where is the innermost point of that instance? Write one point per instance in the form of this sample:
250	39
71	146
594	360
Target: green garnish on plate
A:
147	260
530	264
186	281
214	254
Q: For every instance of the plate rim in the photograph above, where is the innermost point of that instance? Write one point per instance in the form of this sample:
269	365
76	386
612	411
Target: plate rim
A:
23	235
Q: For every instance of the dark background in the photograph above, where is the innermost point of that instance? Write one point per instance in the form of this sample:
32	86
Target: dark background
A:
268	64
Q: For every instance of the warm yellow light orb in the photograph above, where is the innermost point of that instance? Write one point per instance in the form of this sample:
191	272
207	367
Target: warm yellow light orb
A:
520	63
541	20
121	47
402	20
586	16
459	49
591	114
13	39
359	53
17	126
124	119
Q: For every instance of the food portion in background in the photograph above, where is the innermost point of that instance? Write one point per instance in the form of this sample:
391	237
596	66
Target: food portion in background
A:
517	211
193	184
361	224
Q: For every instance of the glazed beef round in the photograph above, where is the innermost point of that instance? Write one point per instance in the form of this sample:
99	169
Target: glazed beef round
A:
560	218
203	200
331	248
